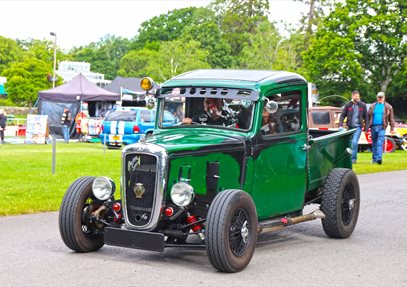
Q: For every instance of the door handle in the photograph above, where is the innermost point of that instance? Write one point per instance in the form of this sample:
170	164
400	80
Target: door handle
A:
306	147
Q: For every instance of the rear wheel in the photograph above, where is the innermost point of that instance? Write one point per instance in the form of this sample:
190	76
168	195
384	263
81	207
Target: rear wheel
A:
77	231
231	231
340	203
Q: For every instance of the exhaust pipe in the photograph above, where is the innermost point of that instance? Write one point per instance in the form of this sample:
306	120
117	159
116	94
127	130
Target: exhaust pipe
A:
278	224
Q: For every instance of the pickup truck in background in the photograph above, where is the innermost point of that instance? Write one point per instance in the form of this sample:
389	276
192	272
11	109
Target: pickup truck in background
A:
242	162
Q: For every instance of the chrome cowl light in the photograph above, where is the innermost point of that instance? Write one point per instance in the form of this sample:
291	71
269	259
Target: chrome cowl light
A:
182	194
103	188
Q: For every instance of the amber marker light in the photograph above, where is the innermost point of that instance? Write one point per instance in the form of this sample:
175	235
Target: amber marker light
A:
146	83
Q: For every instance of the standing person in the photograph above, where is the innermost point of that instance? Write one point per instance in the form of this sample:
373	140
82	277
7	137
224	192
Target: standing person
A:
3	120
66	123
380	116
356	115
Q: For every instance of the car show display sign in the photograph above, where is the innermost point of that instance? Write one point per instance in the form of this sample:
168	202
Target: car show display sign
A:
37	129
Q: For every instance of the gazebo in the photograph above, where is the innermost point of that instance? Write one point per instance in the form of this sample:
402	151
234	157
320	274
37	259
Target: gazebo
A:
71	95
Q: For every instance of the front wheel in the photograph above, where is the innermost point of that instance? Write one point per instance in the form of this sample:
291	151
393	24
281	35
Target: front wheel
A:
77	231
340	203
231	231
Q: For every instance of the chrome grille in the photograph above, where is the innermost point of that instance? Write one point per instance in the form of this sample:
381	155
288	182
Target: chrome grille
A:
140	183
143	164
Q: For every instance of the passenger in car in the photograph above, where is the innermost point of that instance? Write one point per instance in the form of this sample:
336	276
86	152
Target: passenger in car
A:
269	124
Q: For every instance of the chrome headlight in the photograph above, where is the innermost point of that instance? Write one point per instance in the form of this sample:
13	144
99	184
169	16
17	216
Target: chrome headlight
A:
103	187
182	194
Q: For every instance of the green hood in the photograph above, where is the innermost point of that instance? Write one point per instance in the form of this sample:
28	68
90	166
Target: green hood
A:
187	139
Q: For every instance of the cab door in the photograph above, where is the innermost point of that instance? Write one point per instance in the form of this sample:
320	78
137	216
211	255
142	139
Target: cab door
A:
279	180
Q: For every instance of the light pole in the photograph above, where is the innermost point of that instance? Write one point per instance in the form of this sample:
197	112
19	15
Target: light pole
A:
55	57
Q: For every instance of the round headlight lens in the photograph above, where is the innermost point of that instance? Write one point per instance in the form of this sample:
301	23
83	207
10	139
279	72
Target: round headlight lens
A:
103	187
182	194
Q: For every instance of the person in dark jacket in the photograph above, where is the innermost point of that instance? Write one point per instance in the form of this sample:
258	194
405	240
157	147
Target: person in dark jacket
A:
380	116
357	118
66	123
3	120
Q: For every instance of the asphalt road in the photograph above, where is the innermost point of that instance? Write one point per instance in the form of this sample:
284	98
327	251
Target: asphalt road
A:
32	253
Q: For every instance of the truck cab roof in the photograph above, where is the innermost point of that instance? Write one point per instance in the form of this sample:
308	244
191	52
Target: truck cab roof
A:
244	79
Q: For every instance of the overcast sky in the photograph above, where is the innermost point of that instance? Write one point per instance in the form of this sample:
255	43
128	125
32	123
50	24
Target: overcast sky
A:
80	22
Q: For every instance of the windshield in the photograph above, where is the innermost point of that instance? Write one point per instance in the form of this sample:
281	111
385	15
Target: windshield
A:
121	115
205	111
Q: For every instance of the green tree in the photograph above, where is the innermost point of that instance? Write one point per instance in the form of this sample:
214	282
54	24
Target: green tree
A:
314	16
238	19
104	55
262	49
166	27
208	33
361	45
42	50
25	79
176	57
136	63
10	52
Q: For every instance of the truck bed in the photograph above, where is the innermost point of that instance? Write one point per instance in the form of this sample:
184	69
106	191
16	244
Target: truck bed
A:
328	150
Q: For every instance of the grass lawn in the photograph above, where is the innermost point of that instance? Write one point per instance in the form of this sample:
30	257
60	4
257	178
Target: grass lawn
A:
27	184
391	161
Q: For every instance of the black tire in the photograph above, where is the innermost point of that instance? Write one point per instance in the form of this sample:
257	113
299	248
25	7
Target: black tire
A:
77	234
230	210
340	203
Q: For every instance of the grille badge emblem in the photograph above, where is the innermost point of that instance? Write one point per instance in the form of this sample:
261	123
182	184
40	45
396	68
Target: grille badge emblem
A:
139	190
132	165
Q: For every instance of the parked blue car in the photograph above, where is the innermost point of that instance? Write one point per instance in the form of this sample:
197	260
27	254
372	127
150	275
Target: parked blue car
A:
124	126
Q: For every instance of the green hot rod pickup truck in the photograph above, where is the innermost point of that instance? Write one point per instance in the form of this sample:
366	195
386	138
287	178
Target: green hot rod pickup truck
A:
240	161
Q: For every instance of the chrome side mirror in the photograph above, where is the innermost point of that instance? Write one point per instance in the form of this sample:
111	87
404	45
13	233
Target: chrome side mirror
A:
271	106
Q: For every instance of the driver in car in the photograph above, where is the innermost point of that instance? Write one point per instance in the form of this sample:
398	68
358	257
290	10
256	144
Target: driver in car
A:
214	114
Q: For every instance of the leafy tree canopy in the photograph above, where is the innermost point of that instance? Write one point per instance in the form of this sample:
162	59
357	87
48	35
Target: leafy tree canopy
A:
39	49
25	79
176	57
238	19
104	55
136	63
360	45
261	51
167	27
208	33
10	52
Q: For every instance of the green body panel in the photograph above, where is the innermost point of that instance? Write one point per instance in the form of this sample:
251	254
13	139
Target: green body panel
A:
279	178
229	171
328	152
281	167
